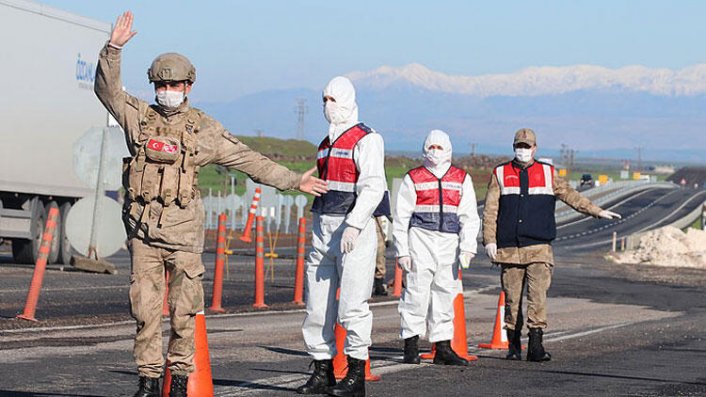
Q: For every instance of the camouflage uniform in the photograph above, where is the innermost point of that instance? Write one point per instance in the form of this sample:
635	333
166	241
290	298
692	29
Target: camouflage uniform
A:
532	264
163	212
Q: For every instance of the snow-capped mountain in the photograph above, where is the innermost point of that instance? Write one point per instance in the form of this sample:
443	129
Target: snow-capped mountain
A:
590	108
545	80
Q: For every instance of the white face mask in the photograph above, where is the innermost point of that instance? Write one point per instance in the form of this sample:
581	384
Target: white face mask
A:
170	99
331	112
434	156
523	155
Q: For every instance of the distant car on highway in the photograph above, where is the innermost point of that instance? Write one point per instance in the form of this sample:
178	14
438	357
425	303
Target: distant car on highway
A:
586	182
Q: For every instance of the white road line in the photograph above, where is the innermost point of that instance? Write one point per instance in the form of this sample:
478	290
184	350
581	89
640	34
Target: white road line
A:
378	367
466	293
609	208
77	288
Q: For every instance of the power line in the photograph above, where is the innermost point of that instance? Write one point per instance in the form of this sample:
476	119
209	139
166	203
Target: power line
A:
302	109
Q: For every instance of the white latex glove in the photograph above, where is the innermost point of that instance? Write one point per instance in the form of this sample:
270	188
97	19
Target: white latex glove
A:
350	234
405	263
465	258
605	214
492	251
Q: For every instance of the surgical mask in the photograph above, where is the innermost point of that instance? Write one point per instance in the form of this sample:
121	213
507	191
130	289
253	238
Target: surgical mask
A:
331	112
170	99
434	156
523	155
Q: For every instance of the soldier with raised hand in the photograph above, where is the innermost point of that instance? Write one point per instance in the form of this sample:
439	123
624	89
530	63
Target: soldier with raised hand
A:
163	213
518	228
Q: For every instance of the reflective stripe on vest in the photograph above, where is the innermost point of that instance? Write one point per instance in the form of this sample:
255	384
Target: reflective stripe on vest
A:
437	203
541	179
336	165
527	201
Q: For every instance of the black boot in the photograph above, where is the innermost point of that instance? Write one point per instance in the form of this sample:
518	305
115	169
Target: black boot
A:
321	380
353	385
535	350
446	356
411	350
379	287
514	344
178	386
148	387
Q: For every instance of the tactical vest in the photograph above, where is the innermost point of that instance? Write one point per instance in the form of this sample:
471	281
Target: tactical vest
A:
438	199
336	165
527	202
164	167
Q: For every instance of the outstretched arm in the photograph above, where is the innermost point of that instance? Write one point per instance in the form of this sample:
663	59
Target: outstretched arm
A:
108	87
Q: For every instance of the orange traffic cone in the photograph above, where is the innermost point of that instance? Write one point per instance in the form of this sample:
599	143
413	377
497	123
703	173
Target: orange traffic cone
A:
459	343
200	381
340	363
499	341
251	216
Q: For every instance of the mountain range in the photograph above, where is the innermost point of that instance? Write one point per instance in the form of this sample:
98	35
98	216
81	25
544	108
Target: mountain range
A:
599	112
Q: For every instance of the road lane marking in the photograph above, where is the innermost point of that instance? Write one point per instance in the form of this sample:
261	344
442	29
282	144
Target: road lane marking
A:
379	367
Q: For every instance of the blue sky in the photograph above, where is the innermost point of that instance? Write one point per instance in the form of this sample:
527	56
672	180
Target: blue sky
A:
241	47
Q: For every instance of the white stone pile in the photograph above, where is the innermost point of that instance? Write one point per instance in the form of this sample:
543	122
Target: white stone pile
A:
668	246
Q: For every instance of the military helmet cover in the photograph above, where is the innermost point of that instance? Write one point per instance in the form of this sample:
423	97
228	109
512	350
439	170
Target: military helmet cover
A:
171	66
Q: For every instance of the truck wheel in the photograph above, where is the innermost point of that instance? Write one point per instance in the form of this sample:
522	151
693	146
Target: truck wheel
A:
65	250
56	240
27	251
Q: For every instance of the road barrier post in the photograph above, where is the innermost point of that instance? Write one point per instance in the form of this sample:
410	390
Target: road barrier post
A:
39	267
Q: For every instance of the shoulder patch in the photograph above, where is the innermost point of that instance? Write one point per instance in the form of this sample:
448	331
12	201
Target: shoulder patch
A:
227	135
366	128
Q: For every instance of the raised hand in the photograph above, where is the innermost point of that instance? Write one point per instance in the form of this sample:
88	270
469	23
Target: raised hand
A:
122	31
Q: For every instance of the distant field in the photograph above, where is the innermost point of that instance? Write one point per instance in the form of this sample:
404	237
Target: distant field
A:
300	156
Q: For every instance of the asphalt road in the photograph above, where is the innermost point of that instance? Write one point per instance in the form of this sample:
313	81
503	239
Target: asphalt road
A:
614	330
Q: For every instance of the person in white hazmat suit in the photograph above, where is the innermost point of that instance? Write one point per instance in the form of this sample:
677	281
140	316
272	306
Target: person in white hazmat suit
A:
351	159
435	218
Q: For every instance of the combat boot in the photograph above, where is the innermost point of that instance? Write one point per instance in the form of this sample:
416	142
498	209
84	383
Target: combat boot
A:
178	386
148	387
514	344
379	287
535	350
446	356
353	385
321	380
411	350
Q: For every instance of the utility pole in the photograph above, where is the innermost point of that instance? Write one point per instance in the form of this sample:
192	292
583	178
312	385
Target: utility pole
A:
639	158
302	109
259	133
567	157
473	150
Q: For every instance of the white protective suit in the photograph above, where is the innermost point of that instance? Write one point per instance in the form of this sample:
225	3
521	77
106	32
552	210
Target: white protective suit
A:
327	268
432	282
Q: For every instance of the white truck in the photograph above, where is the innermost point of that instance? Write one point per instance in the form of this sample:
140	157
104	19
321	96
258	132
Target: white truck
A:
47	65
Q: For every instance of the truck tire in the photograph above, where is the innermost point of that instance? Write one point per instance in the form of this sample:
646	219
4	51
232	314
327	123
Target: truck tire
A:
65	250
27	251
56	239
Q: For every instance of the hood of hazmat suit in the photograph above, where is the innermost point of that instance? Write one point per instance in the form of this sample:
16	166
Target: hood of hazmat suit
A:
437	160
342	113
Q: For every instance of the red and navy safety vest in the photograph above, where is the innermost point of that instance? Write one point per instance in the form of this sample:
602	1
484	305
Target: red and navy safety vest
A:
527	201
437	199
336	165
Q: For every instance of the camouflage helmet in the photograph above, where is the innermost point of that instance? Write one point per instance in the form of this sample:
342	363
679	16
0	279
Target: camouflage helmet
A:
171	67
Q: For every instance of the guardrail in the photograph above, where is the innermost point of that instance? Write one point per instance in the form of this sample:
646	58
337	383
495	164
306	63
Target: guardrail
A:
616	189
